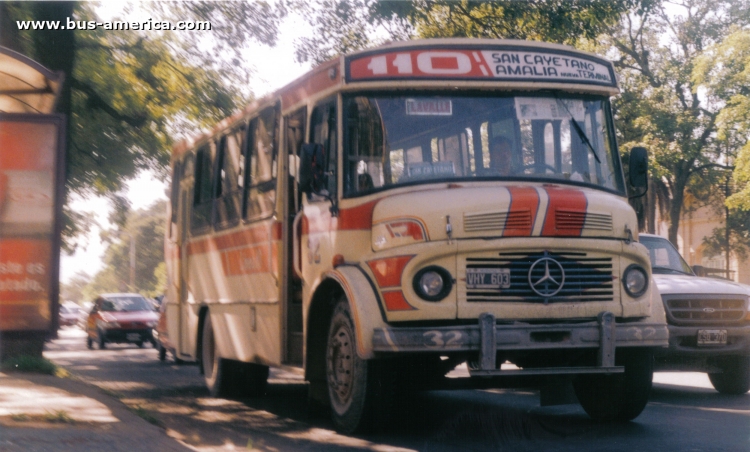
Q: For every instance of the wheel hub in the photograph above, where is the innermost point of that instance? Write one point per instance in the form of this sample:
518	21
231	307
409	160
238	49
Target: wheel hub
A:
340	353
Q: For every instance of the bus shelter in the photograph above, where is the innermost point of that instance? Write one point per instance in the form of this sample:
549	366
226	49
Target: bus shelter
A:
32	145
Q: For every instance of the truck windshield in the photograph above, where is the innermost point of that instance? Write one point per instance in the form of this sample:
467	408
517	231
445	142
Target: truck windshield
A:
402	140
664	257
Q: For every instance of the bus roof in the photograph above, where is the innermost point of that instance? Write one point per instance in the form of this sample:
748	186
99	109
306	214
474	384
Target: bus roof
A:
435	63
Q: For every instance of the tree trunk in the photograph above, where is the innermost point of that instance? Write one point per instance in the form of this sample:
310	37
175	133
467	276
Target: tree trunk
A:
675	210
651	207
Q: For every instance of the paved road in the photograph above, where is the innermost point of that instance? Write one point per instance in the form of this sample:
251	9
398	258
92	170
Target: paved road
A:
684	414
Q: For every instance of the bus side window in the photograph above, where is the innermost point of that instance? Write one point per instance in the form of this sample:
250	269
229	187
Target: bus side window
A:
295	137
261	165
200	220
228	196
323	132
174	197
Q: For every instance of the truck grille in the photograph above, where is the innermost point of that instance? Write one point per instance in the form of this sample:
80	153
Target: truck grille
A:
704	309
586	278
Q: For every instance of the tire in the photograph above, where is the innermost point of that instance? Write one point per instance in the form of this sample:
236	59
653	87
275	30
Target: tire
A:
102	341
360	391
89	343
228	378
162	353
734	378
211	364
617	397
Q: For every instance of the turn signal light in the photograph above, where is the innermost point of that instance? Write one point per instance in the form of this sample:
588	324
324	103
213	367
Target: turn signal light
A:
388	271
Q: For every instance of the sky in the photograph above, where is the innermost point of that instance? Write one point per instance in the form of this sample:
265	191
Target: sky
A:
278	70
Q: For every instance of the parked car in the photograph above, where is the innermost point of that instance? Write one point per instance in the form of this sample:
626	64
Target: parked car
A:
709	320
121	318
69	314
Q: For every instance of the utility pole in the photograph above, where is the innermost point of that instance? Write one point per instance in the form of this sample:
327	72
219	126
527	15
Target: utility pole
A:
132	262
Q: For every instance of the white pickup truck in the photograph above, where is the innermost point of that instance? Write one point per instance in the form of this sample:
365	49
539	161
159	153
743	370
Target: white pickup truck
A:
709	320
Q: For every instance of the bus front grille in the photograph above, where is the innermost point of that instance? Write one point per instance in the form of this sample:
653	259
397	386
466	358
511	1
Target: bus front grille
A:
583	278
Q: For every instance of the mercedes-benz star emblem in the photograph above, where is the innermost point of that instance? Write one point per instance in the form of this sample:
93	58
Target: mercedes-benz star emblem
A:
547	285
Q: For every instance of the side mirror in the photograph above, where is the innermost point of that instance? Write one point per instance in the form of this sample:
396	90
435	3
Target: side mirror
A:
638	167
698	270
312	168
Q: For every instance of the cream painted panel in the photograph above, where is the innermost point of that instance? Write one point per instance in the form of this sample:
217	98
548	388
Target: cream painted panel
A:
235	337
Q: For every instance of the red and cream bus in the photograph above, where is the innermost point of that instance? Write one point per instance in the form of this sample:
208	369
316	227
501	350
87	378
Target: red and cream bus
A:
402	210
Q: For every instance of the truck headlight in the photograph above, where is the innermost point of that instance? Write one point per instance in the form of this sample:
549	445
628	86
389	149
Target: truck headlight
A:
635	280
432	283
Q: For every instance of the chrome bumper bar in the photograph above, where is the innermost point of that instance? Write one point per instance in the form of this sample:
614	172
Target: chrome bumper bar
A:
487	338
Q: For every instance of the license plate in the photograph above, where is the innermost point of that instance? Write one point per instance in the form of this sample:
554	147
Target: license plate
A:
712	337
487	278
133	337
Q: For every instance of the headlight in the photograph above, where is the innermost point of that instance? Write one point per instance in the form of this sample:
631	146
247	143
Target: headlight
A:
150	324
635	280
432	283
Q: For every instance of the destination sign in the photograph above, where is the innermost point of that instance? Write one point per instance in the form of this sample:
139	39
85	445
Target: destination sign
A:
499	64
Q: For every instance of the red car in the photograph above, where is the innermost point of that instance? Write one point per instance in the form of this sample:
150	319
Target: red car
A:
69	315
121	318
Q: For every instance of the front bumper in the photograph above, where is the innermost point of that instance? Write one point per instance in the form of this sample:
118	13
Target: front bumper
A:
487	338
683	341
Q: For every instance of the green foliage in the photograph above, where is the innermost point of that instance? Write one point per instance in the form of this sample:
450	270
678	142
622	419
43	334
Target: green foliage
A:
342	26
73	289
130	94
657	50
27	363
143	229
724	72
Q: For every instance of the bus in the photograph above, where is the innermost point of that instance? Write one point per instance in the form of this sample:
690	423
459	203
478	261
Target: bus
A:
400	211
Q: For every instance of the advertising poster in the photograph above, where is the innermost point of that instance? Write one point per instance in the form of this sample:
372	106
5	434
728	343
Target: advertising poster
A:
29	233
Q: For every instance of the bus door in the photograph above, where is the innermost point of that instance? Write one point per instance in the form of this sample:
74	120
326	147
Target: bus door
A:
292	283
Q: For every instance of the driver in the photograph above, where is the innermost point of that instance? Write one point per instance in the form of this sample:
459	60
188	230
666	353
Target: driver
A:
501	157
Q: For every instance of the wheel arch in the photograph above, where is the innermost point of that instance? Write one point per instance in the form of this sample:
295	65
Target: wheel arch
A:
366	310
318	320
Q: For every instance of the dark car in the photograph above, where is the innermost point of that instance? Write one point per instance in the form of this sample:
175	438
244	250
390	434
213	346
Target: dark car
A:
121	318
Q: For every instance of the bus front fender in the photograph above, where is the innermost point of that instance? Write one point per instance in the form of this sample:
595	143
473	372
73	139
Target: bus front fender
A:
366	309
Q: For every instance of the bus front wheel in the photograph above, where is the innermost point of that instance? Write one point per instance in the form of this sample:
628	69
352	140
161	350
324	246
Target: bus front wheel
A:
618	397
360	391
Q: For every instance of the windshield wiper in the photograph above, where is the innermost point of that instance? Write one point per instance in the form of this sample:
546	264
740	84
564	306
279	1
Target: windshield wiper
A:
579	130
669	269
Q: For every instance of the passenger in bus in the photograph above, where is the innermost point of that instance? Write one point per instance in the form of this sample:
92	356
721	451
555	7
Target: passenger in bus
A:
364	182
501	157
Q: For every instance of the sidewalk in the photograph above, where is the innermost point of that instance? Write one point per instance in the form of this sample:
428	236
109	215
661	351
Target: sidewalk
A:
50	414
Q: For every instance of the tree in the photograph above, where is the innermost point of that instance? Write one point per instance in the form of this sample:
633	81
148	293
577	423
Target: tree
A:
143	234
657	50
130	94
73	289
342	26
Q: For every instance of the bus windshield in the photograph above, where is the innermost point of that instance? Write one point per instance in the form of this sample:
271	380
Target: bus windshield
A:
393	140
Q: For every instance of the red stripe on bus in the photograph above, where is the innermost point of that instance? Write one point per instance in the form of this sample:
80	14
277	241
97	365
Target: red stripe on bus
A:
395	301
358	218
524	202
246	261
252	236
566	212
